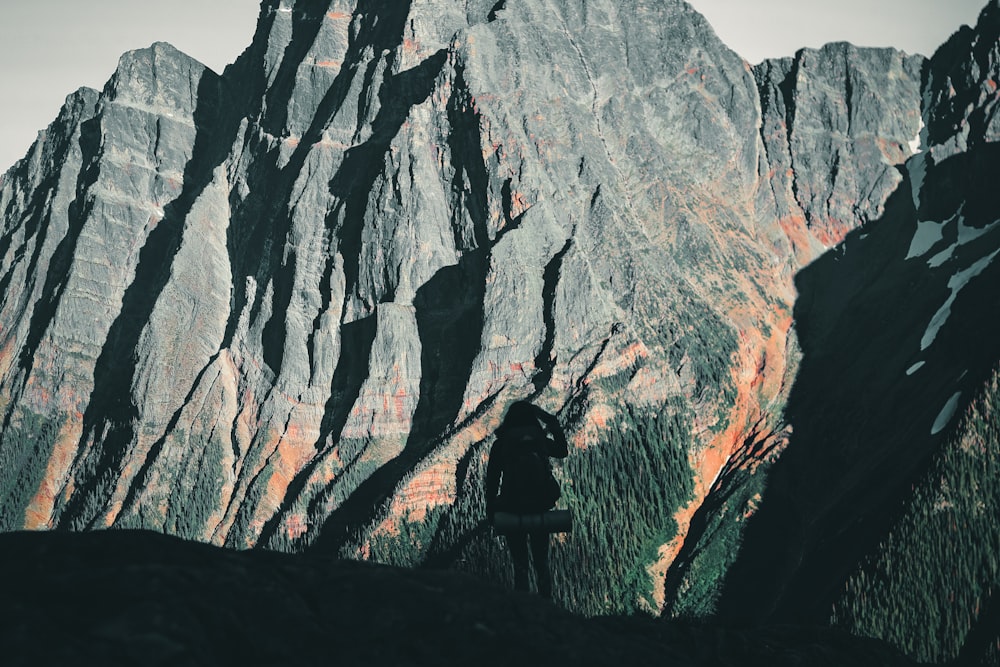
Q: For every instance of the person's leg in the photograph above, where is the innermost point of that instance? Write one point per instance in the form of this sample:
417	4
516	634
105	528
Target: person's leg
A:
540	557
518	544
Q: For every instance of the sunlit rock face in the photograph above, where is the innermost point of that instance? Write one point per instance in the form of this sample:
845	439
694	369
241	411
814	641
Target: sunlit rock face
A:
287	305
835	127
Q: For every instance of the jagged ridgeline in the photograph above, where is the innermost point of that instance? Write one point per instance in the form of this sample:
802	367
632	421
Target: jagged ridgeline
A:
286	306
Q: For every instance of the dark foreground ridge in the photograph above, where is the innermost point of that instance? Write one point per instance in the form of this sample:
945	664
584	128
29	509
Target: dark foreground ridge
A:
133	597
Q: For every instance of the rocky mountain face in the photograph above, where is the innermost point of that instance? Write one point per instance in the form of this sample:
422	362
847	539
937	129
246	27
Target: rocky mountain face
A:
881	506
286	306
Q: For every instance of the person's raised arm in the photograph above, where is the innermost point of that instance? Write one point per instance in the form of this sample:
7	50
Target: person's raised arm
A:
557	446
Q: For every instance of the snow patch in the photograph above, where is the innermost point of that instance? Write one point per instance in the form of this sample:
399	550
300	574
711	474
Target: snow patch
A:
917	141
917	166
966	233
928	233
915	367
947	412
955	284
942	257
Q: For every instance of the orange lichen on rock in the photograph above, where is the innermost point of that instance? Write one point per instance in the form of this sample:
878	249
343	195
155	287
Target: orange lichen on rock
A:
388	527
39	513
291	453
794	227
770	380
756	382
6	357
831	232
330	64
338	16
594	421
892	150
399	405
518	204
477	431
296	526
428	488
610	364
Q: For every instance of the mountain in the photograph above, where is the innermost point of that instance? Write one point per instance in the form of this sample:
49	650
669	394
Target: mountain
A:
286	306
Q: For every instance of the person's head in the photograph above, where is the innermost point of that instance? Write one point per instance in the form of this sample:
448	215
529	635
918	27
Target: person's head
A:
520	414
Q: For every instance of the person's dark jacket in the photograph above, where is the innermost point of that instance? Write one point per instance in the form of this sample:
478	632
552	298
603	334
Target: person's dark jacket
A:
545	433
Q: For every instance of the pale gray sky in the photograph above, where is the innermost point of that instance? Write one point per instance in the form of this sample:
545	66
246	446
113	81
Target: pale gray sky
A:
759	29
49	48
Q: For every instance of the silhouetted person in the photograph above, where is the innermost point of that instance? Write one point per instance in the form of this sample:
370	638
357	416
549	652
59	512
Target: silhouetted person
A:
519	480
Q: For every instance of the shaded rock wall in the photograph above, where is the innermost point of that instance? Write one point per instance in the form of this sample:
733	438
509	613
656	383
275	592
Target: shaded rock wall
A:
899	334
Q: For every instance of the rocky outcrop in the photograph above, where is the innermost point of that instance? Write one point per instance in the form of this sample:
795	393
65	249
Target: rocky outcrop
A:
836	123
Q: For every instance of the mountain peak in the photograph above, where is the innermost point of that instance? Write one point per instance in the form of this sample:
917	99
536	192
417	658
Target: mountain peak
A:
159	78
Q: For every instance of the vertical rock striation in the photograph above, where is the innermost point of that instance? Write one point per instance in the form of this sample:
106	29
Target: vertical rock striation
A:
836	123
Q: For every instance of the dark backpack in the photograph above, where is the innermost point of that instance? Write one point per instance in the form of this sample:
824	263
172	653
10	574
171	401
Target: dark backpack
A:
528	483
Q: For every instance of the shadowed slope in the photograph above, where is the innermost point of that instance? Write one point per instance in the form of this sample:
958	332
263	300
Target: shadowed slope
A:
143	597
